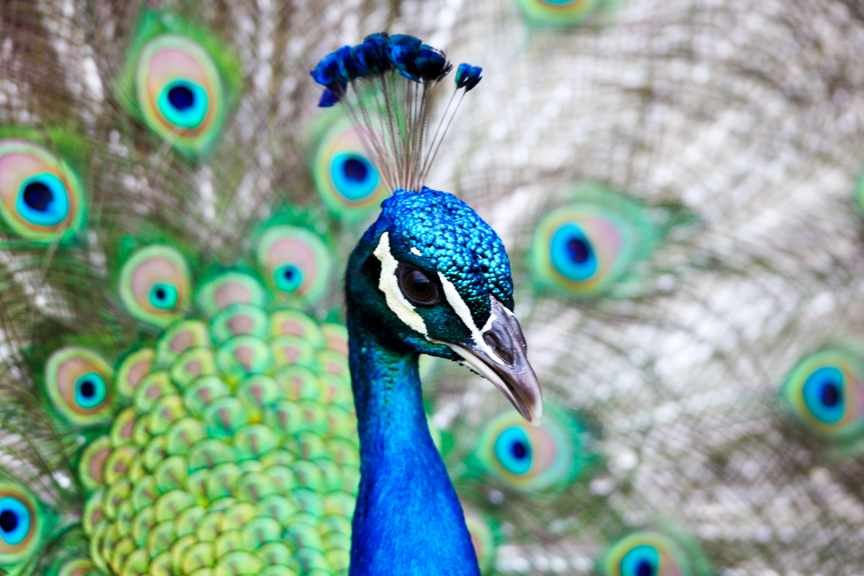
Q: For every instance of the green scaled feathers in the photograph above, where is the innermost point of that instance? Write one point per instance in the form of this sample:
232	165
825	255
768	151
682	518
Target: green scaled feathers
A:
180	82
220	467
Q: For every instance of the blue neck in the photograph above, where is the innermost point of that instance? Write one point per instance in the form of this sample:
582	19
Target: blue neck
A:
408	520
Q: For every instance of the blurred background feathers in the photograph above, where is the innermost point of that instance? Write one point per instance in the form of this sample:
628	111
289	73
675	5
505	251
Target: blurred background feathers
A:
677	185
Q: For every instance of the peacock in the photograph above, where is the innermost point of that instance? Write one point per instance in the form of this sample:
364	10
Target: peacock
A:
194	229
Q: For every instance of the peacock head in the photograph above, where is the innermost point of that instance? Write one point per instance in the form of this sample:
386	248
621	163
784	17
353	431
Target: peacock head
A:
430	276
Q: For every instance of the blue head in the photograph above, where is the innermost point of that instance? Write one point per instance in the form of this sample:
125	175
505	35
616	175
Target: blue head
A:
431	277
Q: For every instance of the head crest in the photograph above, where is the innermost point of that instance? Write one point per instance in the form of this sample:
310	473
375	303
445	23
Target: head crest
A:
385	83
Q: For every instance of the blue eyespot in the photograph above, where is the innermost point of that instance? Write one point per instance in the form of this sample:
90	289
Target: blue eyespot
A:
14	521
163	296
43	200
823	394
288	278
183	103
571	253
90	390
642	560
353	176
513	450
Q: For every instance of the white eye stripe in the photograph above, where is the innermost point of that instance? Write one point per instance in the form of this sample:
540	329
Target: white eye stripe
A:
461	309
389	285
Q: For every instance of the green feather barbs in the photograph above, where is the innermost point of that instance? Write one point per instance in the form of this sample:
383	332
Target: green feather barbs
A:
41	198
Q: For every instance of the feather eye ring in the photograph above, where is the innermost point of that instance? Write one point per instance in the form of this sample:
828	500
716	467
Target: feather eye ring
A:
20	524
826	391
41	199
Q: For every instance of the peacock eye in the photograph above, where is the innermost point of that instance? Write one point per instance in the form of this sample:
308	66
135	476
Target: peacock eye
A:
417	286
826	390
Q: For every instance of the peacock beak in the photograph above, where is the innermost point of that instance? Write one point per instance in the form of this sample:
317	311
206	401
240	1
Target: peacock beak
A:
502	358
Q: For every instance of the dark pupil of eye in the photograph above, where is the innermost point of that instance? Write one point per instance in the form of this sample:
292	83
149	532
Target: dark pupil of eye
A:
37	196
830	394
355	169
8	521
578	250
519	450
160	293
420	286
181	97
88	389
289	273
643	568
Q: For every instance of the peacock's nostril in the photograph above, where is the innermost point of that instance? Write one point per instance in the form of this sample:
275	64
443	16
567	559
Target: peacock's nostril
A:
501	344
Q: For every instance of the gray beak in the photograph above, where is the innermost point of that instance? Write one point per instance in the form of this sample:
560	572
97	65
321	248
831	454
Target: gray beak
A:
502	358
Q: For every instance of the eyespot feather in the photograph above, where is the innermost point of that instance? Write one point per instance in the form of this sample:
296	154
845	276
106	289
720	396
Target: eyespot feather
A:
528	458
346	179
296	262
80	386
181	82
155	285
21	524
826	392
41	198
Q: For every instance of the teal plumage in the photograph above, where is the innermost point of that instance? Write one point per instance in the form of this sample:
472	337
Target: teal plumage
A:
701	395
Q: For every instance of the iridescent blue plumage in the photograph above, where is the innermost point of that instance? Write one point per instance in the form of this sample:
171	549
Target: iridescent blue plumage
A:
455	240
468	76
408	519
399	145
428	277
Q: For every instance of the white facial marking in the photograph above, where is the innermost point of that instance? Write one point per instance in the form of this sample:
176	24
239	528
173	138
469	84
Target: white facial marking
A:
390	286
464	314
416	252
